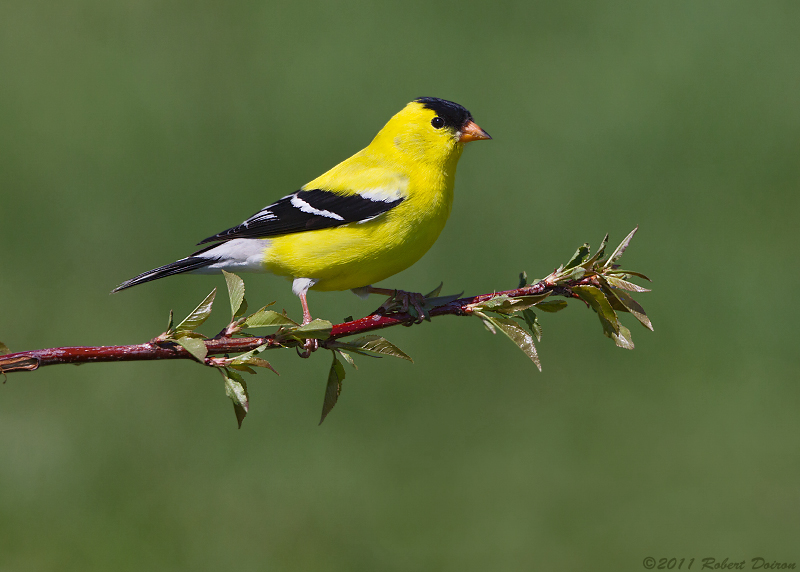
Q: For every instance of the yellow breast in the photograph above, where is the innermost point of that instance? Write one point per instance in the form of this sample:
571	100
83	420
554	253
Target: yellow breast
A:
403	161
358	254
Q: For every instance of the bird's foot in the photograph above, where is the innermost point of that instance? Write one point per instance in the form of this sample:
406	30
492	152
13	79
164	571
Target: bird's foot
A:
403	301
309	346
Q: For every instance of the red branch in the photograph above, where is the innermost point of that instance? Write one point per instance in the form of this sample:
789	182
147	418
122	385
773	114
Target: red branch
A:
34	359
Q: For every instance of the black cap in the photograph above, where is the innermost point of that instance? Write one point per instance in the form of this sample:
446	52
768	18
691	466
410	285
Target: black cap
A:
454	115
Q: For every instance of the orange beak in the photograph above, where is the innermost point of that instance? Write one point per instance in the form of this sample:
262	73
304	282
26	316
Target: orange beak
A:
471	132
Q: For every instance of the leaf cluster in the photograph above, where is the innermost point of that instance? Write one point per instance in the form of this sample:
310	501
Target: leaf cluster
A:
596	279
289	334
605	288
185	334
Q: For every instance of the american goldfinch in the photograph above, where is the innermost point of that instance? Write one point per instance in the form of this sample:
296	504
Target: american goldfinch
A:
368	218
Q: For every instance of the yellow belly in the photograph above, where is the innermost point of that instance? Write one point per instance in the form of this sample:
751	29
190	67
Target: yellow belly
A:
356	255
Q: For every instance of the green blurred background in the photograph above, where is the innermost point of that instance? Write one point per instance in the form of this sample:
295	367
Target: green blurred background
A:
129	130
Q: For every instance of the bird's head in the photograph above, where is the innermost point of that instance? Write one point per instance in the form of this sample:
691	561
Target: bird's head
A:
431	130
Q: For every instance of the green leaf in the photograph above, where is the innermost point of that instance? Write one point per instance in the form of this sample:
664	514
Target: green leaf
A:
502	301
429	303
624	284
518	335
551	306
170	324
242	309
522	302
597	255
194	346
249	358
630	305
620	250
533	323
375	345
236	390
435	292
577	273
623	338
242	358
487	323
258	362
579	257
4	349
242	367
197	335
508	305
600	304
266	318
333	388
523	279
491	303
318	329
235	293
616	272
603	245
347	357
196	318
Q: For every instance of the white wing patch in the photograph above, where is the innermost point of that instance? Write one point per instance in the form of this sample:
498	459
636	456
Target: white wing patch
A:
382	194
387	193
299	203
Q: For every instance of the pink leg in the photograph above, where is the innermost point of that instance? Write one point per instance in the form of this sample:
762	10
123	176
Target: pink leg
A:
306	312
310	344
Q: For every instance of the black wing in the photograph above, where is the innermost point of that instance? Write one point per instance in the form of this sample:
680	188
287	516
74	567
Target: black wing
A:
307	210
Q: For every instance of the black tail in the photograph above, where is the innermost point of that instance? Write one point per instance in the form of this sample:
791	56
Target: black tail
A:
183	265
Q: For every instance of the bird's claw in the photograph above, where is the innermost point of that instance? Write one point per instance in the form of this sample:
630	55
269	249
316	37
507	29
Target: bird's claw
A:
403	301
309	346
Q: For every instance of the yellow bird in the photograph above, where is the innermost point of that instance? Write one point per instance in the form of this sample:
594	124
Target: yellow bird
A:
366	219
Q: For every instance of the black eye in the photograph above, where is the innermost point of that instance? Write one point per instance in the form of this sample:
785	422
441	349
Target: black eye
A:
437	122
